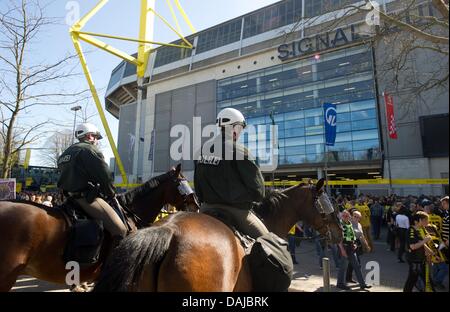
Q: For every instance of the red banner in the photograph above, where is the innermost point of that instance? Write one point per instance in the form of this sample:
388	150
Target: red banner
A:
390	118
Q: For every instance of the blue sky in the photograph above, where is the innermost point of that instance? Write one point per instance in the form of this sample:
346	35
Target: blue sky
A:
118	18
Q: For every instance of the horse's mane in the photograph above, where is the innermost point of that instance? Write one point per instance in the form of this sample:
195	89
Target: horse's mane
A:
142	190
272	202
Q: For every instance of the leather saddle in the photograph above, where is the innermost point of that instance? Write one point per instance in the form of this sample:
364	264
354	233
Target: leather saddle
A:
86	235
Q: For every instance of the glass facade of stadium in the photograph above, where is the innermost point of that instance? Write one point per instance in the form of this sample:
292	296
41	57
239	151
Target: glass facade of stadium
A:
294	94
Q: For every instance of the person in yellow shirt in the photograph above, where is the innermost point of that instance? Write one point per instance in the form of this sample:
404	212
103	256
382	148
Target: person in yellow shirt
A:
433	218
291	242
349	204
364	209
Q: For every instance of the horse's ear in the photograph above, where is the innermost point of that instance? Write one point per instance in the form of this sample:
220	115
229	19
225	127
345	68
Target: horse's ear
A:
178	169
319	184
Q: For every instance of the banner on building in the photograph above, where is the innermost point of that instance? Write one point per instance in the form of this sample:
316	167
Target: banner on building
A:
330	116
26	162
7	189
390	117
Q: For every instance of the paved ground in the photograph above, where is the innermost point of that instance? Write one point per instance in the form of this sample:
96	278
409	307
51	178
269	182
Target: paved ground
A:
307	276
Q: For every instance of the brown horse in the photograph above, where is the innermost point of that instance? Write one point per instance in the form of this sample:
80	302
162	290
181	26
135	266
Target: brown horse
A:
33	237
196	252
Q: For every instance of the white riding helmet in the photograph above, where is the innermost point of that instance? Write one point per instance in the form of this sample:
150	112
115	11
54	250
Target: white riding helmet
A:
85	128
230	116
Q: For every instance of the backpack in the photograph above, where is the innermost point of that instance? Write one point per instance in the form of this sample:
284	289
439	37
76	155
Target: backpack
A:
271	264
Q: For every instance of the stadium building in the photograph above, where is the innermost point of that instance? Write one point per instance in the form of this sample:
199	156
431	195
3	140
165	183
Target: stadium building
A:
283	62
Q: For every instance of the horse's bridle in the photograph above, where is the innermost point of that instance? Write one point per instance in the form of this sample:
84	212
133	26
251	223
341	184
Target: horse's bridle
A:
185	190
318	206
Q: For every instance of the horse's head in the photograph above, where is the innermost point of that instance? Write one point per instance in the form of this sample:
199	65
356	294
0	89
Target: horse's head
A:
324	217
179	193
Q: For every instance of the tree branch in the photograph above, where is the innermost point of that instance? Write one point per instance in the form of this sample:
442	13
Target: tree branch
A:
414	30
441	7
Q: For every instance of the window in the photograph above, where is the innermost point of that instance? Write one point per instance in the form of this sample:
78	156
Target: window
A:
364	114
364	124
294	124
295	150
364	145
167	55
294	94
434	131
219	36
344	66
130	69
289	133
319	7
272	17
116	75
365	135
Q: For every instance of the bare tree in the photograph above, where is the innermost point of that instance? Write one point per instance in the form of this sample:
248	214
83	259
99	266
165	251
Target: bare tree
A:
406	30
55	146
25	82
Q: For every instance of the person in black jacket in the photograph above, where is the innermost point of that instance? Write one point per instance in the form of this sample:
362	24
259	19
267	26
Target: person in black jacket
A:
85	176
228	179
417	250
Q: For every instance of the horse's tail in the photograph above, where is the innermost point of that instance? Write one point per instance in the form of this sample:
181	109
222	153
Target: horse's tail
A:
125	265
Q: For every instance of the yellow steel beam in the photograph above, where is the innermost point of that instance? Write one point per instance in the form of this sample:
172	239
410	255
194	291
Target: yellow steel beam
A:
79	50
171	27
106	47
82	22
133	40
174	16
145	34
186	18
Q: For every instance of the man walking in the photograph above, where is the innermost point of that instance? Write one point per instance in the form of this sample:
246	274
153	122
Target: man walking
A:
376	218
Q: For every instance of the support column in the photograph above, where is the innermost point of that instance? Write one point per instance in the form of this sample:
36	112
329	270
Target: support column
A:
146	33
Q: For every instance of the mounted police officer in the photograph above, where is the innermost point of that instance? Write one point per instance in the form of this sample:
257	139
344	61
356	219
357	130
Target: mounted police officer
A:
86	178
227	179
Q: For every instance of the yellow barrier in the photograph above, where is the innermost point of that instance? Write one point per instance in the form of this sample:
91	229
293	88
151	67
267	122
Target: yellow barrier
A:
340	183
333	183
369	182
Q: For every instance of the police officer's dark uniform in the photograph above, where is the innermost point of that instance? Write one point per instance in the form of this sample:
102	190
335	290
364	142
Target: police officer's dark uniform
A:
232	183
80	164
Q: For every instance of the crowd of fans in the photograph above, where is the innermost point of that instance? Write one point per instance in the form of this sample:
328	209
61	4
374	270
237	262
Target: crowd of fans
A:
50	199
416	231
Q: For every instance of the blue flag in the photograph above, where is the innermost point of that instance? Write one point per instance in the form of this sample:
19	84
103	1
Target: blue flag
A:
330	116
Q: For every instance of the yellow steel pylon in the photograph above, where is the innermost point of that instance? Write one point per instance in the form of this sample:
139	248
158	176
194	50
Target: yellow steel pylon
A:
144	51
